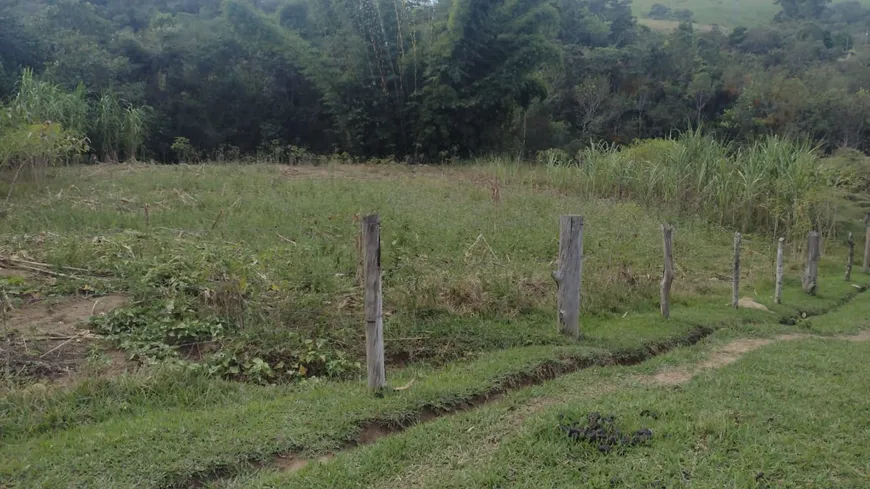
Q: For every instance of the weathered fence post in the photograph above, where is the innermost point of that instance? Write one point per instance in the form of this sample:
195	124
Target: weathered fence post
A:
812	273
735	281
867	242
780	271
360	256
371	235
569	273
668	275
851	258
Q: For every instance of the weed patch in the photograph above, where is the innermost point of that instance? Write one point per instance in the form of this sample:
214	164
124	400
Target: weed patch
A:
602	433
205	294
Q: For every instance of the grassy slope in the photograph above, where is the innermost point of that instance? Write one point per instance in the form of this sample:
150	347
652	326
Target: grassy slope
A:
726	13
738	427
163	429
160	445
456	281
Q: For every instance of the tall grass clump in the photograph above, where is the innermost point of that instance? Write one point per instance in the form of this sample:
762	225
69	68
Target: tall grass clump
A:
118	128
38	101
41	126
44	124
775	186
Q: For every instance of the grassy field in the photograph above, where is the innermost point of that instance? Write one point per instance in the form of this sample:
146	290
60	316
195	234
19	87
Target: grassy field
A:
670	25
725	13
230	439
736	427
212	258
227	332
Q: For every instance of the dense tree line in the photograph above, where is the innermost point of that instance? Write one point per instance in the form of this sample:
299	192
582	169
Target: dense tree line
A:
433	79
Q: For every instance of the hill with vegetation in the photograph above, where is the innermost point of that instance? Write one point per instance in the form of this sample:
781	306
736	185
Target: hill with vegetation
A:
182	268
429	81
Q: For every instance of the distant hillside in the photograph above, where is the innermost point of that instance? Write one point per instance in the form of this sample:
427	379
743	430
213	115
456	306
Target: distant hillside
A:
726	13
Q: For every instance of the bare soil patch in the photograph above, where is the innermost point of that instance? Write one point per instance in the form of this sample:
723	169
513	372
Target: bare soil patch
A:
862	337
60	318
45	340
290	464
749	303
372	433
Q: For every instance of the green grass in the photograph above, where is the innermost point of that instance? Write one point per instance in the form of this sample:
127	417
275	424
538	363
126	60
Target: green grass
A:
726	13
722	429
259	263
254	424
229	252
157	446
165	436
671	25
742	426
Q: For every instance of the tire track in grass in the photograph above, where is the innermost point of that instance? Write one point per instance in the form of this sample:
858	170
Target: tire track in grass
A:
734	351
377	429
465	452
374	431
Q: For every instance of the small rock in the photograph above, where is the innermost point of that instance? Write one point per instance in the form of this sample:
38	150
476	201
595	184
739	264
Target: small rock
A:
749	303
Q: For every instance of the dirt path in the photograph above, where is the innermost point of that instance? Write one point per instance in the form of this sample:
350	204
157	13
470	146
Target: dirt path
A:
732	352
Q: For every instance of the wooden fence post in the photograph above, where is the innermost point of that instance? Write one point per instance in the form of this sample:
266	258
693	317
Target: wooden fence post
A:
851	258
360	256
371	232
810	281
569	273
668	275
735	281
867	242
780	271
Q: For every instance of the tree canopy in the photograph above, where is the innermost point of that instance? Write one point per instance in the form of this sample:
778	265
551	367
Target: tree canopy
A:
430	79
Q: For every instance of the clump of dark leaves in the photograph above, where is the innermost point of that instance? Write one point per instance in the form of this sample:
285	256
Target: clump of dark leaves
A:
649	414
602	433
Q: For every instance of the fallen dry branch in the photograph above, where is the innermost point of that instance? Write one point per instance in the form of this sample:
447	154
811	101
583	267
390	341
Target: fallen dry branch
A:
43	265
406	386
284	238
23	266
216	220
83	335
13	262
413	338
